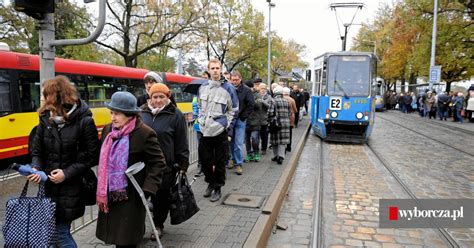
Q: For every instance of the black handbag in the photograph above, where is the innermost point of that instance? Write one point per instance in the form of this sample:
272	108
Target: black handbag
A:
183	205
89	187
274	126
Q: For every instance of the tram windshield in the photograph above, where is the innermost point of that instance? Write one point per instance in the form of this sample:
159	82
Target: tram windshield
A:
348	76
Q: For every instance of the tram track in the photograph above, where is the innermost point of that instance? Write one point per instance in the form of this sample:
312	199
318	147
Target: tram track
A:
438	123
427	136
443	233
317	239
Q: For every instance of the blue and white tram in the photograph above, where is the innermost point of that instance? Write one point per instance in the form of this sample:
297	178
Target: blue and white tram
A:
342	101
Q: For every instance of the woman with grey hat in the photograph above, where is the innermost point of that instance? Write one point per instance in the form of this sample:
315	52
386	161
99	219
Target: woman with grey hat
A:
125	142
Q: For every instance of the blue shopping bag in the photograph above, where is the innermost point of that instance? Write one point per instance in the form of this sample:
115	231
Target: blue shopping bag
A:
29	221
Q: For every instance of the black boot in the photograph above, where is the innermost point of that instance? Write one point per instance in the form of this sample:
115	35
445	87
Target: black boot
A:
216	195
280	160
208	191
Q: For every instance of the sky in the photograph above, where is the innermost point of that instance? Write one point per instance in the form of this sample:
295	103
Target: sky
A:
313	23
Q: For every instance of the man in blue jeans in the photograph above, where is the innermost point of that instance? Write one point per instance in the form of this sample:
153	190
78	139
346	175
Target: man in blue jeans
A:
246	102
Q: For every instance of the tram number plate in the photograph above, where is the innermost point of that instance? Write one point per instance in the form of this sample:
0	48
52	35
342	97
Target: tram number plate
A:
335	103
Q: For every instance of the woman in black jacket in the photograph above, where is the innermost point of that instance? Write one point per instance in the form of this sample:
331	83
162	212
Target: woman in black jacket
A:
65	146
170	126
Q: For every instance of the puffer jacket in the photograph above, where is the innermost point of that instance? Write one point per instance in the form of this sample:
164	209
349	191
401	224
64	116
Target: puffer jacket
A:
73	148
218	107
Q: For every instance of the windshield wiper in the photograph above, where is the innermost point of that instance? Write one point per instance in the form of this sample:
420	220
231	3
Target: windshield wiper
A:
341	89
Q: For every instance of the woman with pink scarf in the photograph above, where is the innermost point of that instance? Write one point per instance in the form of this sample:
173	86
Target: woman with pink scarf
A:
125	142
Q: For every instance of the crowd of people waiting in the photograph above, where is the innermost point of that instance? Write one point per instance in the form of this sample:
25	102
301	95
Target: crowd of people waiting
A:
229	114
429	104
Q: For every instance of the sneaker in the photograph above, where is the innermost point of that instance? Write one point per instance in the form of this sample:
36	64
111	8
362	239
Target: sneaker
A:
208	191
256	157
275	158
264	152
238	170
249	157
230	165
216	195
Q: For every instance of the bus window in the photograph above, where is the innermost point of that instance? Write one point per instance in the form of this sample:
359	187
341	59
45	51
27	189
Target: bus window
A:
178	93
139	87
81	86
5	99
127	85
29	89
100	90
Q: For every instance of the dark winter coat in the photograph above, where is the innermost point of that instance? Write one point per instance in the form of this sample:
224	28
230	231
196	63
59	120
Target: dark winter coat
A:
280	109
125	222
258	117
73	148
266	101
170	126
246	101
299	99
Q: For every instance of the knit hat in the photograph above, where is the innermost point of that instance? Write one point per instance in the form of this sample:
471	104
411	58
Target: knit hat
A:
160	87
155	76
278	90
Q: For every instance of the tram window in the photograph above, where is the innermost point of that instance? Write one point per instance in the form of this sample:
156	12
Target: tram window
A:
317	78
29	90
178	93
323	83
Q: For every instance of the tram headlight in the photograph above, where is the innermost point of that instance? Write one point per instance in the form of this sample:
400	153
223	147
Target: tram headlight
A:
359	115
334	114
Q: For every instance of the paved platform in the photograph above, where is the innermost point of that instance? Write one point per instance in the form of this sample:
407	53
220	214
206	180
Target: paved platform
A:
216	225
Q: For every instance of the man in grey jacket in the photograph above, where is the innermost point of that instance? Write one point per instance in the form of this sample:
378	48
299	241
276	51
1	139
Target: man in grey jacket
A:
218	106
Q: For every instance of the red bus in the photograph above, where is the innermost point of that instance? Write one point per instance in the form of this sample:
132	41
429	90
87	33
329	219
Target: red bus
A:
20	93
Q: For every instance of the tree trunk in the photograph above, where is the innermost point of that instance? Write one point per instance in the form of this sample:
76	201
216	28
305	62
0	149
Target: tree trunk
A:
412	81
402	85
448	87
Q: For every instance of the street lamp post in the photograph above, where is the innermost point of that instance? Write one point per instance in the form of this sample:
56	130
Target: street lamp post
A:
433	40
270	5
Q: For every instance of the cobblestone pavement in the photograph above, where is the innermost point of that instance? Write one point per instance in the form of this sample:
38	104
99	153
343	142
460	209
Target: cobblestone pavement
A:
452	133
354	180
350	202
430	169
216	225
297	209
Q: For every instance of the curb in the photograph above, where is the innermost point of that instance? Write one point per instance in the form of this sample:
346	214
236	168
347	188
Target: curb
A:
260	233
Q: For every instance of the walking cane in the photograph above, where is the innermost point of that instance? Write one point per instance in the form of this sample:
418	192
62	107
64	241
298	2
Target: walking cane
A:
132	170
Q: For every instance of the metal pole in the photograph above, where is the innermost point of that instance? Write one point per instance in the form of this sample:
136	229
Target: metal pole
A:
433	38
47	52
345	37
269	45
92	37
